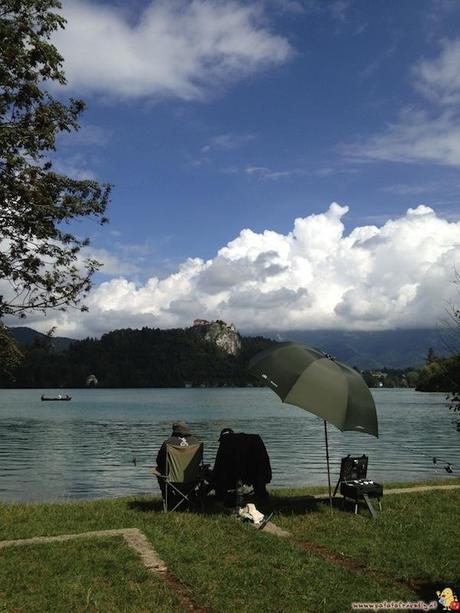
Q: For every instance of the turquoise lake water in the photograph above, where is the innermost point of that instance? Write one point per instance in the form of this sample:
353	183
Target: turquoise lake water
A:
85	448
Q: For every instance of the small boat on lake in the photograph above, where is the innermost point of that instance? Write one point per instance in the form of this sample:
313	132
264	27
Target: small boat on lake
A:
59	397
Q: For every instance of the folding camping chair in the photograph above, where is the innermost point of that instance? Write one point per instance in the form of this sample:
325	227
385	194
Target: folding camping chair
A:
354	484
184	477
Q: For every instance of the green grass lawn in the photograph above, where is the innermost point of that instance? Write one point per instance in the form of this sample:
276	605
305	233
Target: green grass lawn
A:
414	538
223	565
86	575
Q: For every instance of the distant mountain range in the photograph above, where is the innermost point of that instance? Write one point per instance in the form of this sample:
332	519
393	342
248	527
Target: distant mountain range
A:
363	349
26	336
369	350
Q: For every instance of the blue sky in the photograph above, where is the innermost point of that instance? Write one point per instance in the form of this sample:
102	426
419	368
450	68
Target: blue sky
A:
214	117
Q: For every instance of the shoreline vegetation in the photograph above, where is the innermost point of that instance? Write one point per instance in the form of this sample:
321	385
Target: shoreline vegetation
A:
209	354
214	562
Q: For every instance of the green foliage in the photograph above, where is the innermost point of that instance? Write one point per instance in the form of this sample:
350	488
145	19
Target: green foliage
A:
138	358
39	257
10	355
440	376
454	396
391	377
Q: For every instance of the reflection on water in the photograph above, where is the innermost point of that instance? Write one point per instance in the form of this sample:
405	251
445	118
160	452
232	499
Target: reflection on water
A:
85	448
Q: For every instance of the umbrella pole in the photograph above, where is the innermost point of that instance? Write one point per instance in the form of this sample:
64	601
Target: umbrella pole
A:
328	469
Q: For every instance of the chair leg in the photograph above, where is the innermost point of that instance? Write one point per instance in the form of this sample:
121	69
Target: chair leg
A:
356	506
179	503
369	506
182	497
380	504
175	497
170	500
200	496
336	488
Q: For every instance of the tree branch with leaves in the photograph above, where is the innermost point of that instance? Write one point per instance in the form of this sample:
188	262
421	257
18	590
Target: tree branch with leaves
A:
454	397
41	263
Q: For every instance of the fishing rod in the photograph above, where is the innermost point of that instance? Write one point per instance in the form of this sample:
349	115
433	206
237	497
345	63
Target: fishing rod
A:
449	466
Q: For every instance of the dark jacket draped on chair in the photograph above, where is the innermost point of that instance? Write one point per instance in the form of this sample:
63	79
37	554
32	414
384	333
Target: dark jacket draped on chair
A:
241	457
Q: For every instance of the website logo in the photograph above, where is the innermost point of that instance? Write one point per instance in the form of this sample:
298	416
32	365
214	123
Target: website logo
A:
448	599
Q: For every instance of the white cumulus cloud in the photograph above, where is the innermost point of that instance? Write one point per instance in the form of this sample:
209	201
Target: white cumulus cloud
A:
316	276
175	48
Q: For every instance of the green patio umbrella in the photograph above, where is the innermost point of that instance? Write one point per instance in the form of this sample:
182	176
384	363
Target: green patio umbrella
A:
316	382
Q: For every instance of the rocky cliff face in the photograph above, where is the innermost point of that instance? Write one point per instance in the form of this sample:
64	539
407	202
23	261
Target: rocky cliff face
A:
225	336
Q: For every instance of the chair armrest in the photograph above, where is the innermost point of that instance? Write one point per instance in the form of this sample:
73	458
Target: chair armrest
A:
156	473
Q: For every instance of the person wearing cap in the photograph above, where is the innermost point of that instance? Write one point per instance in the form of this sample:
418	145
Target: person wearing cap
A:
181	436
225	431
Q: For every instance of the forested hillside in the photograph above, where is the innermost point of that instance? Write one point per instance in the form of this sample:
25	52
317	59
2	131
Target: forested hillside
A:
136	358
190	357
